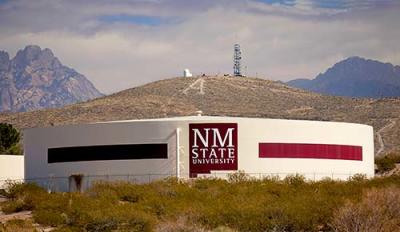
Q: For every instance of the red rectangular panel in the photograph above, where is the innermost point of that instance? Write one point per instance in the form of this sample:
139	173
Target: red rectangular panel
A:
213	146
311	151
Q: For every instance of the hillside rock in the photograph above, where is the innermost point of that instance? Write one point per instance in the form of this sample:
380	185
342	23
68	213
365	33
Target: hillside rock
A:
355	77
36	79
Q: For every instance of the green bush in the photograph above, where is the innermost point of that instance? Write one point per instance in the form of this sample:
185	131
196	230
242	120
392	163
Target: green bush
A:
9	139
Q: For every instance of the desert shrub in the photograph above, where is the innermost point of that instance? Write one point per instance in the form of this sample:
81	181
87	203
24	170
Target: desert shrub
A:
137	221
295	180
358	177
14	190
22	196
122	191
92	213
9	136
3	193
51	210
395	156
271	178
118	217
239	176
49	217
223	229
291	204
17	225
384	164
67	229
388	162
13	206
15	149
181	224
379	210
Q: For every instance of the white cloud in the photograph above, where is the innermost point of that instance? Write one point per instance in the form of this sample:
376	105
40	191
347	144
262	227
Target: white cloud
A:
278	42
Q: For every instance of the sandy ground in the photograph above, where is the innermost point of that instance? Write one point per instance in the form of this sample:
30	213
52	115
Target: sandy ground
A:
24	215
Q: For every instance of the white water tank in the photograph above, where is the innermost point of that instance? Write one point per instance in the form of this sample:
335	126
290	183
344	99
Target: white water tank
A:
186	73
72	157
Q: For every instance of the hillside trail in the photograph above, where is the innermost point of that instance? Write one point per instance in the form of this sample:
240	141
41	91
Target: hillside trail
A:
380	138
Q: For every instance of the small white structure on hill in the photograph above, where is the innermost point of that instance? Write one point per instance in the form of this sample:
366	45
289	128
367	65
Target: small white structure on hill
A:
187	73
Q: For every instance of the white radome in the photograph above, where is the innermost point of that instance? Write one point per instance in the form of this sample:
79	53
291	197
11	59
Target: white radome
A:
187	73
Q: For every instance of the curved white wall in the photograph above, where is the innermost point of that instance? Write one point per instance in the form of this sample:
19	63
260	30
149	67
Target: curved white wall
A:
250	132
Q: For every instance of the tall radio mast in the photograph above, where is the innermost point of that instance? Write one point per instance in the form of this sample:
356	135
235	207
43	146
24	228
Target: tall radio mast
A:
237	57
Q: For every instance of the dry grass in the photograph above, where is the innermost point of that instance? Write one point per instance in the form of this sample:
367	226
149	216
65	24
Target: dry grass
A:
17	225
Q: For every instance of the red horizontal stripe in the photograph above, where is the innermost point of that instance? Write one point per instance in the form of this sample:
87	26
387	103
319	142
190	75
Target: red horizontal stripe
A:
311	151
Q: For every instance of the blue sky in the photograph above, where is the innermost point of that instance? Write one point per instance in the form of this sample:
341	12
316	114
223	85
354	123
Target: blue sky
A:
122	44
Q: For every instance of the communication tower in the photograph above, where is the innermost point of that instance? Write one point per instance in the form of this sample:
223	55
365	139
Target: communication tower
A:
237	57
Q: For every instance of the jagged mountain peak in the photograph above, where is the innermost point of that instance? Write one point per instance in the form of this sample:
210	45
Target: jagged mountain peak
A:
36	79
33	54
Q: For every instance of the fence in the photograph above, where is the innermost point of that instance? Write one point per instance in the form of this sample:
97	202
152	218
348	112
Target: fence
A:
82	182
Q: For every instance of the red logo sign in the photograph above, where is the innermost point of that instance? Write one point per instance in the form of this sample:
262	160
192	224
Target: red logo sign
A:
213	146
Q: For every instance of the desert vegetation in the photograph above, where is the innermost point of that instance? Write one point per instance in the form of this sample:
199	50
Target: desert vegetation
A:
388	162
240	203
9	140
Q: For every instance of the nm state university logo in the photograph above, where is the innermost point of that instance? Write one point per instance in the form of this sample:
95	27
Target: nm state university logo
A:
213	146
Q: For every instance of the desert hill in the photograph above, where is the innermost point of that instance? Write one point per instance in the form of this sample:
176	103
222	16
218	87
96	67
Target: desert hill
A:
230	96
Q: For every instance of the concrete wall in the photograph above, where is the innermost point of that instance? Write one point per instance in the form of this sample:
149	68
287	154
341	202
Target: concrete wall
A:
11	168
251	132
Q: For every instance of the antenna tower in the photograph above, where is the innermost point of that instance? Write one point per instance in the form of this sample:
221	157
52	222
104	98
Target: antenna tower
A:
237	57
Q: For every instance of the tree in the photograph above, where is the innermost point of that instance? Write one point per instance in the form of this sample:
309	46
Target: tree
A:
9	137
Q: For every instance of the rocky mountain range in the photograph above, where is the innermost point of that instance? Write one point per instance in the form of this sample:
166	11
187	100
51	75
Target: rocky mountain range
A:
36	79
225	96
355	77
